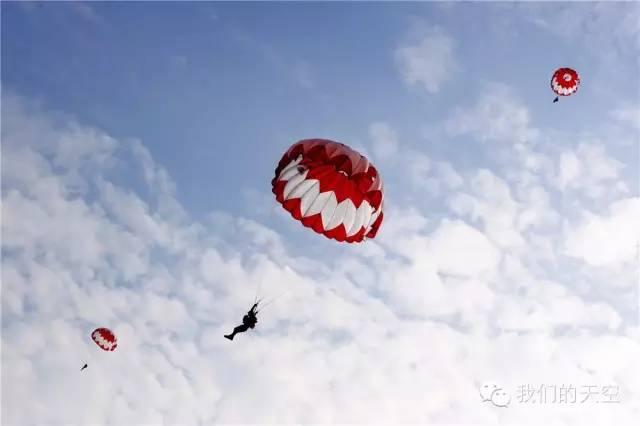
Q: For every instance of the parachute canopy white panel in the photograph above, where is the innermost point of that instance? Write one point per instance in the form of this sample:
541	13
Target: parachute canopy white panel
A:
330	188
105	339
565	81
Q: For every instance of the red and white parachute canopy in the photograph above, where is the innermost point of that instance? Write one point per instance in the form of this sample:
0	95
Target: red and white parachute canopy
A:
331	189
565	81
105	339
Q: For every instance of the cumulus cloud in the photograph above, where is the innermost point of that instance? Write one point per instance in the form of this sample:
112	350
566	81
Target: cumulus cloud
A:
429	61
490	202
411	164
497	116
411	325
462	250
589	169
607	239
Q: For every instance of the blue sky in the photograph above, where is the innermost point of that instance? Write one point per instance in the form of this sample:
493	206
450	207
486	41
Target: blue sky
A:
145	136
216	89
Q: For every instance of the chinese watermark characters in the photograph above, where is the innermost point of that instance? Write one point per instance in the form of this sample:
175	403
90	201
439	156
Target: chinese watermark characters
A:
550	394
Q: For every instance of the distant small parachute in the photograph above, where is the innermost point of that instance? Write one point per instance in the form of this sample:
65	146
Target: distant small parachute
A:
105	339
330	188
564	82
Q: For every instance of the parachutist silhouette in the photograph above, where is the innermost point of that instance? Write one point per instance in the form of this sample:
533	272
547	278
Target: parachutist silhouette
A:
555	100
83	367
248	321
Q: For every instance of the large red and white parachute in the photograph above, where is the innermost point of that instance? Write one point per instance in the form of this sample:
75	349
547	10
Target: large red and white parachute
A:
330	188
565	81
105	339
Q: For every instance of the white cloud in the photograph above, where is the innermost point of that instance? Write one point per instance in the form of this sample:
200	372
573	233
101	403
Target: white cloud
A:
497	116
607	240
428	62
589	169
411	164
411	326
585	22
450	177
627	114
492	205
384	140
569	169
435	178
547	304
459	249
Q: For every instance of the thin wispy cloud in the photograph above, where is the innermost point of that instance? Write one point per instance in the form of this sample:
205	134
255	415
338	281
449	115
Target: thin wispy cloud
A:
429	61
299	71
498	116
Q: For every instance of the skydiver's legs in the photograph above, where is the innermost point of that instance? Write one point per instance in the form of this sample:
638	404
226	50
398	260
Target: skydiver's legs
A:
239	329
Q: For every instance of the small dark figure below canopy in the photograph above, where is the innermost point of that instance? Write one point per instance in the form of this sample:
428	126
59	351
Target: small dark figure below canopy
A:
248	321
83	367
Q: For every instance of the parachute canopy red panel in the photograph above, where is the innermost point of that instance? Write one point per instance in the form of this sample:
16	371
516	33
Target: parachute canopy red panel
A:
105	339
330	188
565	81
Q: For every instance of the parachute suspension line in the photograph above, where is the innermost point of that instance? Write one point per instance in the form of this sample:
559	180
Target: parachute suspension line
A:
273	299
255	299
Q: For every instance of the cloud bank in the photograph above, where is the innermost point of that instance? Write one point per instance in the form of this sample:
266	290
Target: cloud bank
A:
404	329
